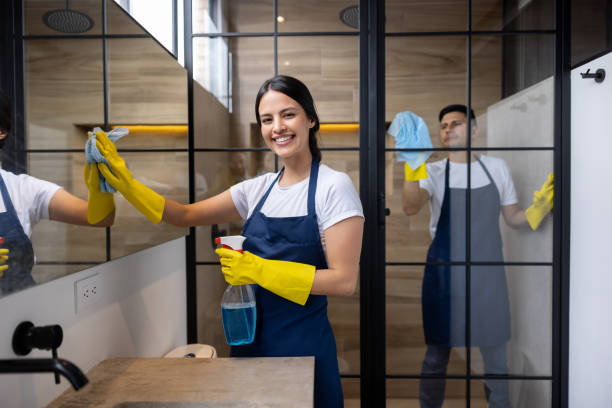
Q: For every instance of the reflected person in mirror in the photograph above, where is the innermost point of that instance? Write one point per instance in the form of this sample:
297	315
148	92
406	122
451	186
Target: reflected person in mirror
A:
443	184
24	200
303	229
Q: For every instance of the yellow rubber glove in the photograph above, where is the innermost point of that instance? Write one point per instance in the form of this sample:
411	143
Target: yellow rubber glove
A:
3	258
542	204
99	204
290	280
413	175
140	196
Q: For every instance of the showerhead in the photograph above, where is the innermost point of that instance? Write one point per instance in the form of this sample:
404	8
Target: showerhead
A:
350	16
68	21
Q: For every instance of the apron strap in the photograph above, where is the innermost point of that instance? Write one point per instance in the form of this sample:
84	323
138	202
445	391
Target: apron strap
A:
312	185
265	196
8	204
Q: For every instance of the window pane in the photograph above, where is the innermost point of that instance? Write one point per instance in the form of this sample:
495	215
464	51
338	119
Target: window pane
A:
149	90
513	15
57	241
516	174
513	101
316	16
528	297
229	72
244	16
119	20
132	231
83	17
210	288
329	68
523	393
428	392
64	92
419	16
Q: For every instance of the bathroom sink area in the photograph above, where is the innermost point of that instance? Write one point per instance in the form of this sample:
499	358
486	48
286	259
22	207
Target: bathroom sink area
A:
271	382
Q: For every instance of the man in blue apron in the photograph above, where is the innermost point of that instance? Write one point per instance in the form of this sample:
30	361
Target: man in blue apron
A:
444	185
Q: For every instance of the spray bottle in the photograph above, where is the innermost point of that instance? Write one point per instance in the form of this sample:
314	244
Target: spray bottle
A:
238	310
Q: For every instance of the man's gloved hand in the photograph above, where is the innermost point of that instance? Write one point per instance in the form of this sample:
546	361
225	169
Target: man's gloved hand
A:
99	204
140	196
290	280
542	204
3	259
413	175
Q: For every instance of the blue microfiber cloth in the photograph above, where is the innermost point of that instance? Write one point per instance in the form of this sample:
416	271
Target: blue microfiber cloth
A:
410	132
93	155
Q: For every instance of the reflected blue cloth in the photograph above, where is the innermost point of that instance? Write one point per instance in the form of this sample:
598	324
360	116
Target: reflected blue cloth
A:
410	132
93	155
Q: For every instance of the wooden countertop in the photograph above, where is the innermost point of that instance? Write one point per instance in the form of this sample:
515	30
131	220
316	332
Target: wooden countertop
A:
184	382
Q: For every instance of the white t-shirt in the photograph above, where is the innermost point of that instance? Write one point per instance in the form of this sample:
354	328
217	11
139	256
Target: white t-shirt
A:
335	198
30	197
434	183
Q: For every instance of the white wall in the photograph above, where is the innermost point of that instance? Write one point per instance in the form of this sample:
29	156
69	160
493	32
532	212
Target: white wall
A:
141	313
590	351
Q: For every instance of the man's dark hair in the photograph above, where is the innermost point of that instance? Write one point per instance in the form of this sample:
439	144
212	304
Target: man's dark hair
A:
6	116
457	108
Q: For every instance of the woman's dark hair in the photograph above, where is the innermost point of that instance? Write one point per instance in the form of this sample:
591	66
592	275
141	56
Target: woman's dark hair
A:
296	90
6	116
457	108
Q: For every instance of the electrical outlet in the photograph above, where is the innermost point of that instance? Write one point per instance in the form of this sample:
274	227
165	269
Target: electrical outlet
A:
87	291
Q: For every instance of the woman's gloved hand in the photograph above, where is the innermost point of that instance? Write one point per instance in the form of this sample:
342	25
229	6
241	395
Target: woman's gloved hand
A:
3	259
290	280
99	204
542	203
147	201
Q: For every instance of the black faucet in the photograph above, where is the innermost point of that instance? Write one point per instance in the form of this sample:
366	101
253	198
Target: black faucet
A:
25	338
46	365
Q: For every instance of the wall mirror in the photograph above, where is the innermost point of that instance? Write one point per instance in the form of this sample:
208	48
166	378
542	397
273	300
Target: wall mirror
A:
107	76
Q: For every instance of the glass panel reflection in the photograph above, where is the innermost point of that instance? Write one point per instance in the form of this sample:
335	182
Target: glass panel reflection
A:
522	393
529	296
426	393
119	20
166	173
513	102
516	175
223	106
513	15
64	91
315	15
57	241
149	90
210	288
233	16
53	17
329	68
418	16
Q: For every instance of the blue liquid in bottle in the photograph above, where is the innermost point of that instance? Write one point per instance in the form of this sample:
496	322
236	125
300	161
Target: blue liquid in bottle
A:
239	320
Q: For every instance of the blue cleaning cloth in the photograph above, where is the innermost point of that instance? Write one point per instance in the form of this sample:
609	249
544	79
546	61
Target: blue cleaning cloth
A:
410	132
93	155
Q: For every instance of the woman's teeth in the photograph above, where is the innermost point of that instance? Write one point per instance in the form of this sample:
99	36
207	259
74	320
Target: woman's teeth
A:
282	139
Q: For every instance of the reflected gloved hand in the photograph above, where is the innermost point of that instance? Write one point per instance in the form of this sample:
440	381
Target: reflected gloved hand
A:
99	204
3	259
147	201
542	203
290	280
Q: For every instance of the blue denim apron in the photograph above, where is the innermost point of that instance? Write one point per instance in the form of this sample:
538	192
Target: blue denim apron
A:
443	292
21	255
285	328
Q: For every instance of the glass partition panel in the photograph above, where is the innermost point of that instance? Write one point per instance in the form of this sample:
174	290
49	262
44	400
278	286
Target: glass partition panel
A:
317	16
64	92
519	303
210	288
233	16
148	92
329	68
513	15
432	392
521	393
59	17
513	102
425	16
164	172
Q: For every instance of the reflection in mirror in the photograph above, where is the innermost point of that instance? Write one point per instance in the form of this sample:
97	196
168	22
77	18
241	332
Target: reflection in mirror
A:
64	98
